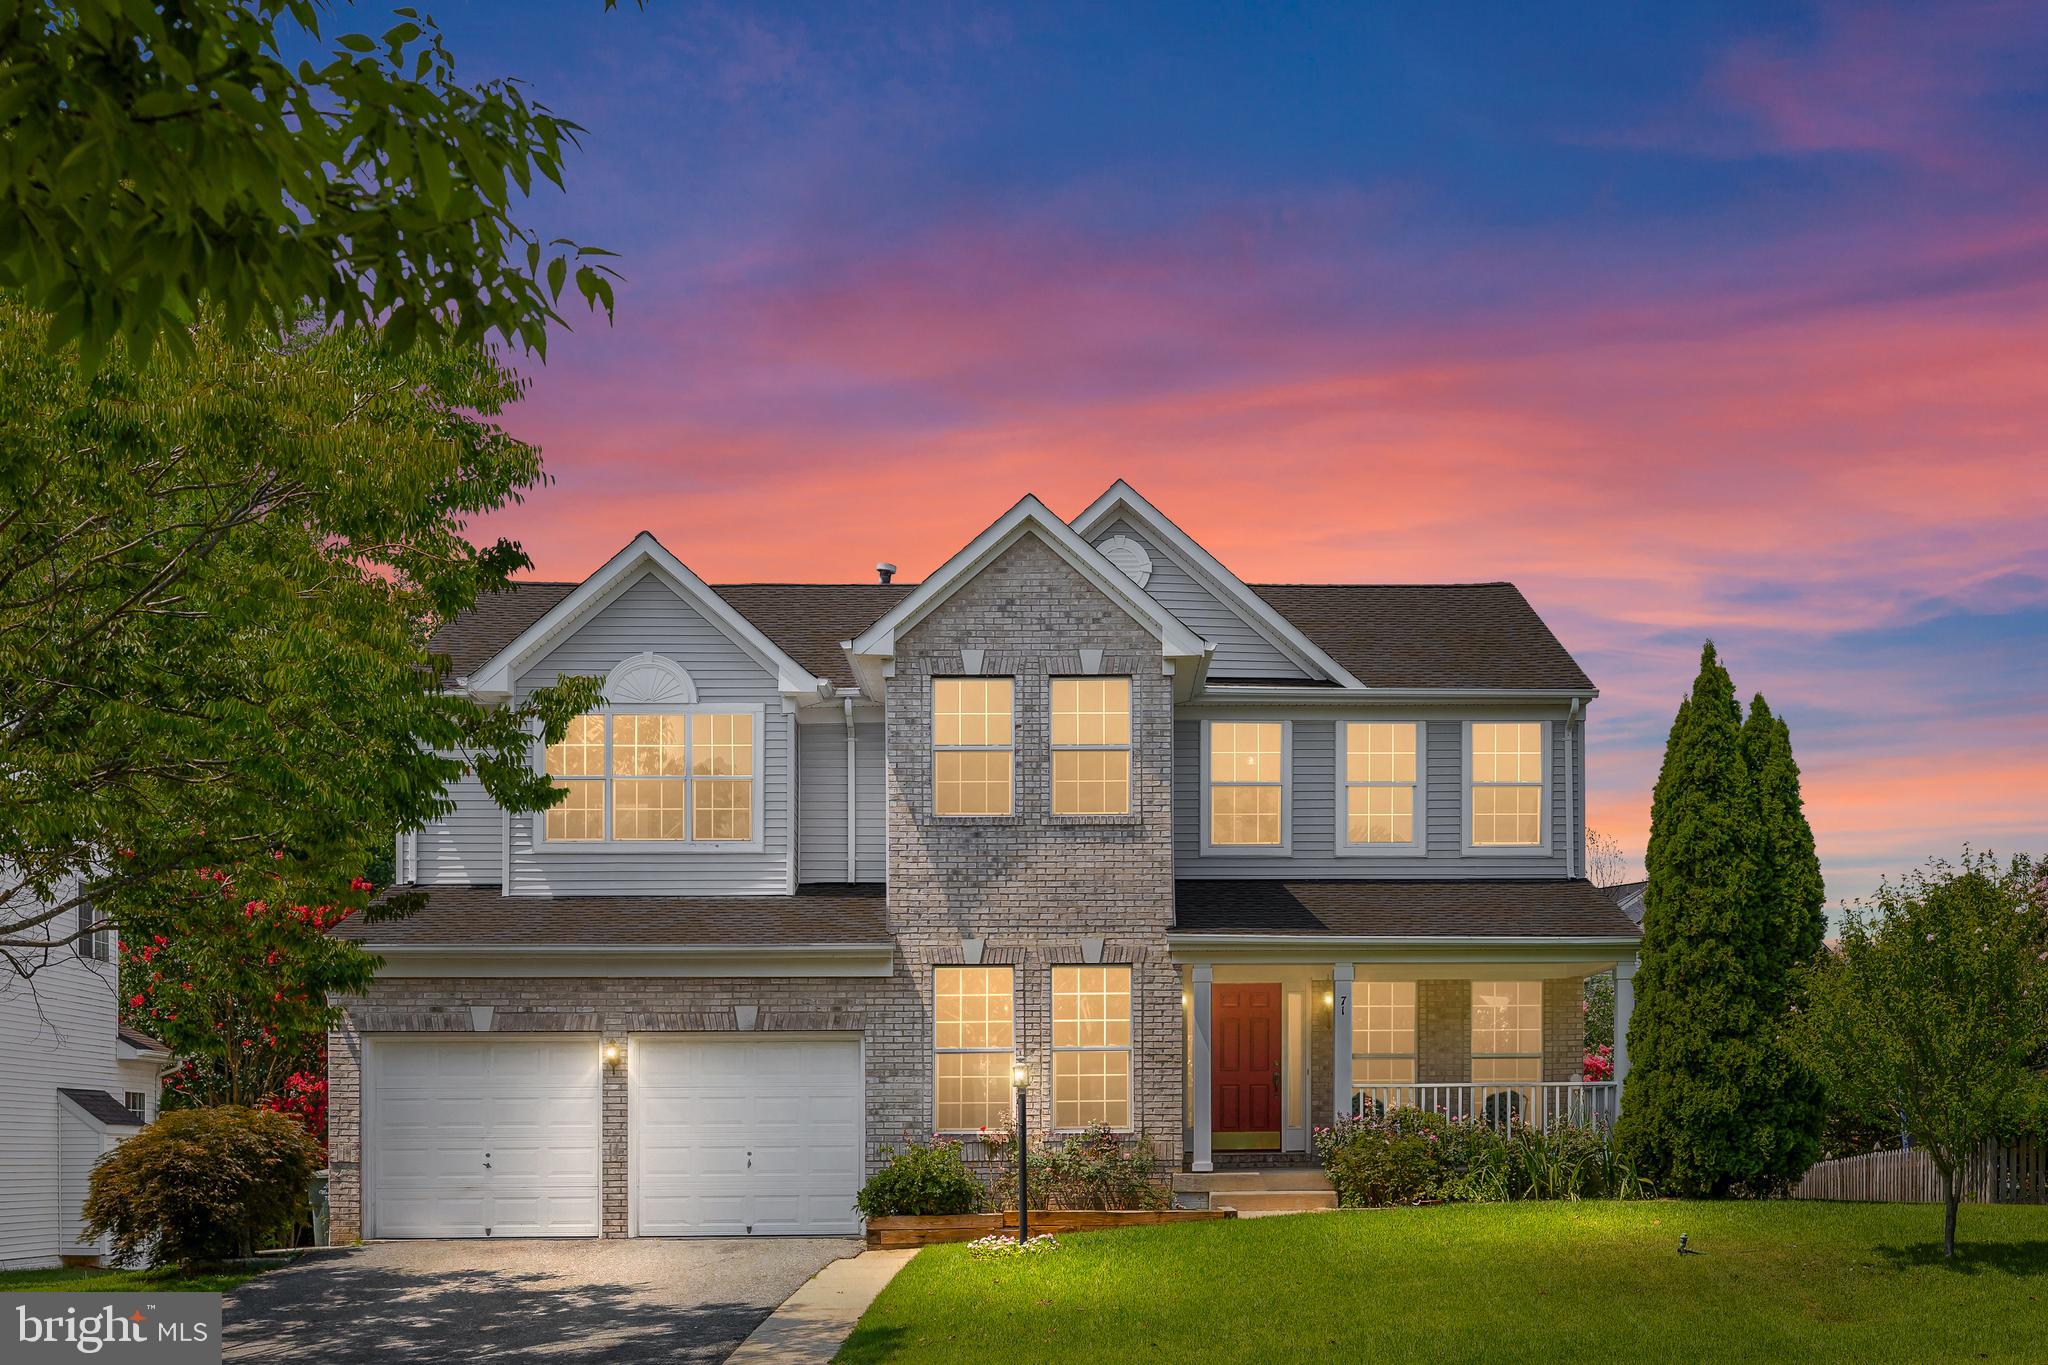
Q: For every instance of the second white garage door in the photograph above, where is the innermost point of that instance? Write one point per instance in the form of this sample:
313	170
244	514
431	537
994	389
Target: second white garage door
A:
737	1135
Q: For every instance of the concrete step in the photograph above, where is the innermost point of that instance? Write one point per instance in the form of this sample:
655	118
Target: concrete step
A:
1279	1178
1273	1201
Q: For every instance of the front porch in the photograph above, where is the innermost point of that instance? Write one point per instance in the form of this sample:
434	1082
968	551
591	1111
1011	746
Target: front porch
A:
1279	1045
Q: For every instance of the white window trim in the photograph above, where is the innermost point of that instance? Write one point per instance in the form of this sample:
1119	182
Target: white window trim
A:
1283	849
934	748
1012	1051
1417	847
1128	1049
1539	849
1525	1088
1414	1053
666	847
1130	772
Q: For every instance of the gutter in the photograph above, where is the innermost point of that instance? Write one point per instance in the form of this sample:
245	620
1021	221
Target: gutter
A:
1344	696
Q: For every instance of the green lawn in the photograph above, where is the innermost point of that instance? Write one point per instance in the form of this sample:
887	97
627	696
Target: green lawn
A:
1777	1282
163	1281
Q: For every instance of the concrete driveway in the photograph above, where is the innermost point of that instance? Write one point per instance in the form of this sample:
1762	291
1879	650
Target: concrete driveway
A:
502	1301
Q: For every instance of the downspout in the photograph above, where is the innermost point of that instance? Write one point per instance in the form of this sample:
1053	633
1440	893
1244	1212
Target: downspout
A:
852	793
1573	825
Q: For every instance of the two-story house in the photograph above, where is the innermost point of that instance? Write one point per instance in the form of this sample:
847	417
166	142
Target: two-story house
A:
1210	862
74	1083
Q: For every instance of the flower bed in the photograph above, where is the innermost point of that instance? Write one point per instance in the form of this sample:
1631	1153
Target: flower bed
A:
906	1231
1416	1156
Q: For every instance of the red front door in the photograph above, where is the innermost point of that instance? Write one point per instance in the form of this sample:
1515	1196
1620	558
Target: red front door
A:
1245	1068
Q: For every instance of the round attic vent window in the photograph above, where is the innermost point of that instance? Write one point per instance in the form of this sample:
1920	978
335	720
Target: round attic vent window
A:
1130	556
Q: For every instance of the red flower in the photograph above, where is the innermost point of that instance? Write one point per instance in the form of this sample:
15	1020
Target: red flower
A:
135	1002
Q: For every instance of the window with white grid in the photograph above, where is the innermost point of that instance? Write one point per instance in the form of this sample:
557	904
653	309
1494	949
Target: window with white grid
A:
669	777
1091	746
972	745
1091	1047
1247	767
1381	776
1506	797
1382	1033
1507	1040
973	1037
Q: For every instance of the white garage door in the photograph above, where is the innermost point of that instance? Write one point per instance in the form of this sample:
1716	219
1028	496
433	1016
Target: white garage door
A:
738	1135
483	1137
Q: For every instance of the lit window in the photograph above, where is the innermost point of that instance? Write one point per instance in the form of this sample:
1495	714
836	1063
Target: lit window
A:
1507	1047
666	777
1091	746
1507	785
973	1035
1380	782
1091	1047
1383	1040
971	742
1246	783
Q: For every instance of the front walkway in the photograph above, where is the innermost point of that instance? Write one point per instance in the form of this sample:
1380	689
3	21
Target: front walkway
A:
518	1301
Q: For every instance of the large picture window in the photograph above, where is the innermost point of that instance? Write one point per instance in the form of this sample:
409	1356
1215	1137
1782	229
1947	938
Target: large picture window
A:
1091	1047
1506	794
1246	763
1091	746
665	777
1381	775
972	745
973	1036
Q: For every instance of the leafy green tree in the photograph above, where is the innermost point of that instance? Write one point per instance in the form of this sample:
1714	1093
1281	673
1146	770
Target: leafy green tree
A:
1694	1038
161	159
1933	1013
218	574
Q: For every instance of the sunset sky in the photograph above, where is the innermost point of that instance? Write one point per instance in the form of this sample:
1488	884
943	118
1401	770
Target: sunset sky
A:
1692	320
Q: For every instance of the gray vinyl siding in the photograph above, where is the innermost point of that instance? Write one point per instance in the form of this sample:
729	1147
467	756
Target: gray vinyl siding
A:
650	616
1314	796
466	846
872	818
1241	651
821	803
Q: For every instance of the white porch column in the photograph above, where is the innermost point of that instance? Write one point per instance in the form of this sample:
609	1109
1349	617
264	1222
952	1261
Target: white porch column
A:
1624	1006
1204	1157
1340	1041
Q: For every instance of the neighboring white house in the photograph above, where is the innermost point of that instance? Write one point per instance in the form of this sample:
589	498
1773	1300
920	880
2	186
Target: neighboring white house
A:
73	1084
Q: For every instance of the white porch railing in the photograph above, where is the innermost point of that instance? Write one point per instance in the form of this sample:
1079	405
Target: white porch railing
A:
1543	1105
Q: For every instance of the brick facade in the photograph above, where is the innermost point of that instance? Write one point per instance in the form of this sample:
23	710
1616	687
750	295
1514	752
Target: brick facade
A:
1031	887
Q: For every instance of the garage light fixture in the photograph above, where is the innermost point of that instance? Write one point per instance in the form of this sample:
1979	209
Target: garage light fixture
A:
611	1054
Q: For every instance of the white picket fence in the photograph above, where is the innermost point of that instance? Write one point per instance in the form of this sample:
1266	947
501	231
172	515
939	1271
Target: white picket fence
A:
1998	1174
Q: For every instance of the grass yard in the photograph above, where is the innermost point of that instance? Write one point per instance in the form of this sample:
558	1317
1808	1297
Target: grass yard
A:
1778	1282
162	1281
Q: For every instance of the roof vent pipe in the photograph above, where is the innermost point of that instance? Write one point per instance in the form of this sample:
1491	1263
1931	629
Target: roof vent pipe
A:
884	571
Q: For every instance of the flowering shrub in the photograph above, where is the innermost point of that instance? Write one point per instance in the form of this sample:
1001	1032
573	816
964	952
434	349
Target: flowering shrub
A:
1096	1168
1409	1156
1000	1246
922	1180
1598	1063
304	1098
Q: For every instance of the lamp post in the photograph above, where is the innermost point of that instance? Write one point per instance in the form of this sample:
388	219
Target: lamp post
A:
1020	1077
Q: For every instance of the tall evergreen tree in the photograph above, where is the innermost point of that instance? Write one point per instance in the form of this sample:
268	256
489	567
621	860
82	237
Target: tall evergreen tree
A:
1790	904
1698	1037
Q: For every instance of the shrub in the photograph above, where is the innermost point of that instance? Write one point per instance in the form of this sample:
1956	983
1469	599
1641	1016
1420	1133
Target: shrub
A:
1395	1157
1409	1156
1093	1169
922	1180
201	1186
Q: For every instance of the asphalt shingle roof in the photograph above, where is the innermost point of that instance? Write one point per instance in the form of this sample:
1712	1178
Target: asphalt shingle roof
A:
478	917
102	1106
1457	635
1420	909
